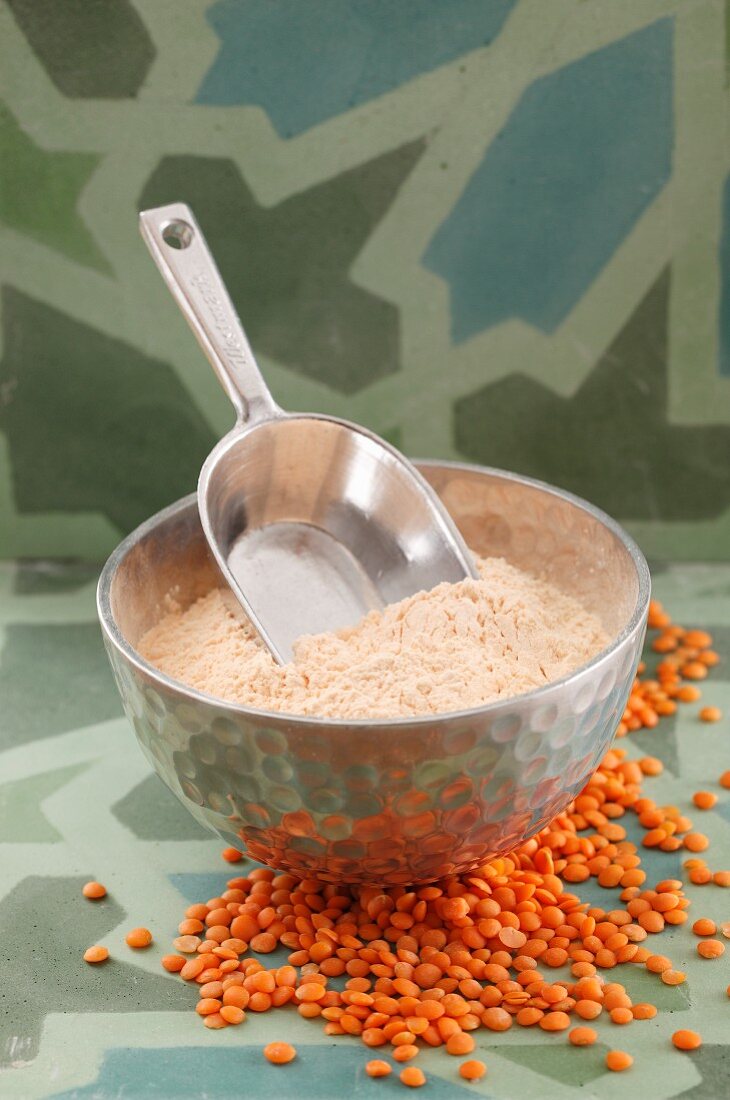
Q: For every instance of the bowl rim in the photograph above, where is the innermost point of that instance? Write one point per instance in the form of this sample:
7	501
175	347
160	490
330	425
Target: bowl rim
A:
113	633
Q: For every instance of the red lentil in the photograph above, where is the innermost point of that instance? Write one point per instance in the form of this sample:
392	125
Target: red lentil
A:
280	1053
232	1015
96	954
214	1021
588	1010
686	1040
187	944
619	1060
172	963
139	937
378	1068
689	693
460	1043
710	949
232	855
582	1036
94	891
472	1070
673	977
236	996
413	1077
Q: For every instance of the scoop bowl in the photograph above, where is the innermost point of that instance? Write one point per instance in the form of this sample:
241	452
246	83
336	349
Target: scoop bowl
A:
395	801
315	522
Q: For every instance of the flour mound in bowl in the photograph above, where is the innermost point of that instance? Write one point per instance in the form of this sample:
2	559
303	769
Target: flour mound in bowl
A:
456	647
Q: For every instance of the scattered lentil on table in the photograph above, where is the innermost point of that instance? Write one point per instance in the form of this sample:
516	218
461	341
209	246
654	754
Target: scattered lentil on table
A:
429	965
232	855
710	949
473	1070
704	800
378	1068
413	1077
139	937
582	1036
94	891
96	954
619	1060
704	927
279	1054
686	1040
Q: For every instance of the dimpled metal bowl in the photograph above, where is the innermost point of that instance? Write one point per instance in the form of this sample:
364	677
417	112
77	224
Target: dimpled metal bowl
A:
388	801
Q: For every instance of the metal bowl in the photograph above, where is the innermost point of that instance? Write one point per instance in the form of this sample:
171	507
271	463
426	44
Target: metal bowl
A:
400	800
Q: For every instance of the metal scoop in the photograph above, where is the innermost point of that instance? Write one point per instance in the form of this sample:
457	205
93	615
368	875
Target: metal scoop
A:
313	521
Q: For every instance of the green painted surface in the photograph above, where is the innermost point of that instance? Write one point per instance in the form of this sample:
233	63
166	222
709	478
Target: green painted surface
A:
81	803
45	933
39	192
713	1063
583	1069
147	438
22	820
63	669
89	48
151	812
633	462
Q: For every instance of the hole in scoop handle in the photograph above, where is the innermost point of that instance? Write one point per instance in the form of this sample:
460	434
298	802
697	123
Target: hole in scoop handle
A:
178	247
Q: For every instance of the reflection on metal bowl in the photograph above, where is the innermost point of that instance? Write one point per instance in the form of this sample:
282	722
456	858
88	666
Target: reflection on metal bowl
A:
400	800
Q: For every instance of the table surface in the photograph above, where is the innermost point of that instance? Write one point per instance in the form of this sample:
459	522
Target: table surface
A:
78	801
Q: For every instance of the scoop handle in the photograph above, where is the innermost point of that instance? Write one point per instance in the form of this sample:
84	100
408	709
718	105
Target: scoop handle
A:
179	249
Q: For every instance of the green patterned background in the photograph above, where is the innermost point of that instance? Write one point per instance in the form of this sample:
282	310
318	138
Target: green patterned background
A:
489	229
496	230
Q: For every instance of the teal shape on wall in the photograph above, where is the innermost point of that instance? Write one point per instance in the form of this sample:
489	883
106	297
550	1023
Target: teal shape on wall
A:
584	153
276	55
